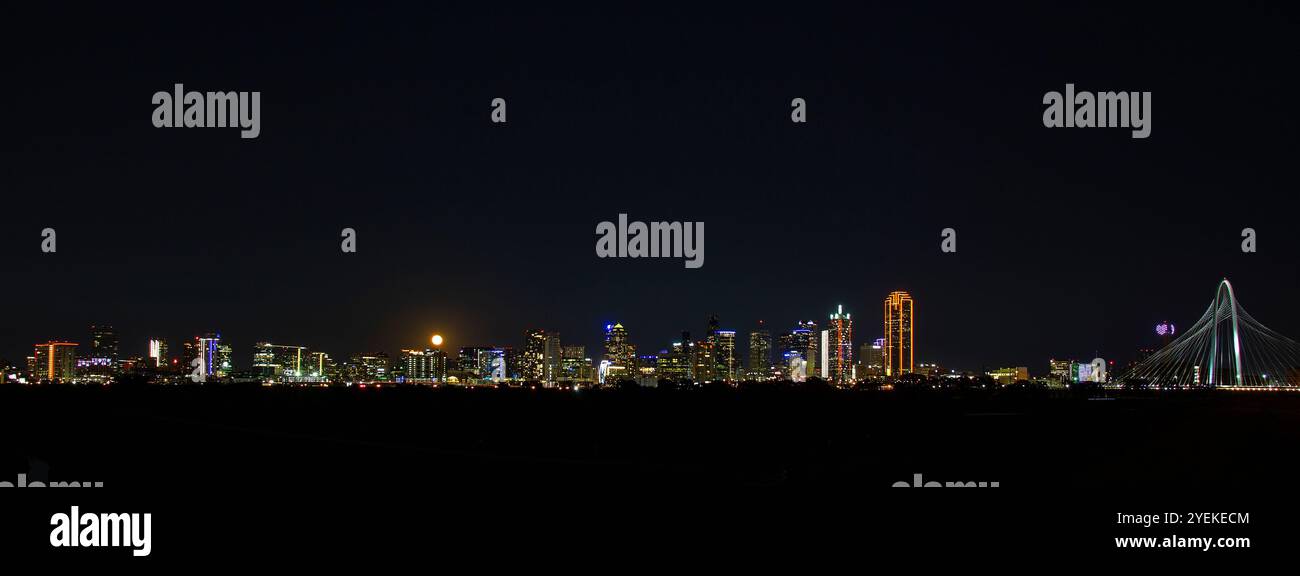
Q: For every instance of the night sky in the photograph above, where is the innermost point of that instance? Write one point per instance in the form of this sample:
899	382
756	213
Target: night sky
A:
1071	242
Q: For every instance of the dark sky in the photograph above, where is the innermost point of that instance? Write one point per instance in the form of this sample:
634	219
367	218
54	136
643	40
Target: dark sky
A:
376	116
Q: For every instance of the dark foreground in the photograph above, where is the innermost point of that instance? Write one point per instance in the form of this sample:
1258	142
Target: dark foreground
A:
340	471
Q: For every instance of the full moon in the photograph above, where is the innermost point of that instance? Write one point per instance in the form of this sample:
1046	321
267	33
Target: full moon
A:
437	340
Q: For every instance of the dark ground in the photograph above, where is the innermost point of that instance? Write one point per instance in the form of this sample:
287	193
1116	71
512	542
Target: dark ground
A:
1031	442
339	471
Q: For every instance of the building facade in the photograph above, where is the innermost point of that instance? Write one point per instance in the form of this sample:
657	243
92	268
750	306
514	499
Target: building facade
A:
900	313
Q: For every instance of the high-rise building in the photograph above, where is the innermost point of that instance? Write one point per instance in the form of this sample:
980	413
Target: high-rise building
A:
533	362
725	352
494	364
620	354
54	362
840	355
467	361
899	338
420	366
675	362
372	367
158	352
823	365
575	366
647	364
206	348
803	340
871	357
437	360
225	364
99	364
703	364
717	354
103	343
281	362
795	367
510	358
811	343
552	359
1059	370
760	352
320	367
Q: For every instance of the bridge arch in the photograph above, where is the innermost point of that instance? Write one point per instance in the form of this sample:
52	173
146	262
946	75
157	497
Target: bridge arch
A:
1224	295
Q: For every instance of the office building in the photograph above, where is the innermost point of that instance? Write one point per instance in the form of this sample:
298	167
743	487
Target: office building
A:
839	355
760	353
899	337
54	361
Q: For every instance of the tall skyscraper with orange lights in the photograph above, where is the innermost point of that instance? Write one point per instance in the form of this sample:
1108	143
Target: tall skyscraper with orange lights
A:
54	362
899	339
839	348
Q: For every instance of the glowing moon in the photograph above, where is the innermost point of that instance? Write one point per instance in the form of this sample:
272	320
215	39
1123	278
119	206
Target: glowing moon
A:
437	340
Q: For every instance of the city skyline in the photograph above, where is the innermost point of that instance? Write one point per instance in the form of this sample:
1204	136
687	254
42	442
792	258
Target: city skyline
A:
556	282
802	350
478	229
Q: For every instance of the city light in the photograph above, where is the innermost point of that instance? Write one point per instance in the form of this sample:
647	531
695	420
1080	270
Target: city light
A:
1227	348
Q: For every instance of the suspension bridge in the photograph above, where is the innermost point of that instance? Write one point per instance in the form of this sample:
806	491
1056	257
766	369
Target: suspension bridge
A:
1226	348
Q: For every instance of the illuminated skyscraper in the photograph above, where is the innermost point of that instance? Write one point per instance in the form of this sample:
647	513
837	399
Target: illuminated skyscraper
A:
437	360
225	364
533	362
320	367
206	347
703	365
420	366
158	352
552	359
54	362
823	364
796	368
510	359
812	345
1060	370
99	364
647	364
840	348
725	352
278	361
103	343
467	362
871	356
621	354
372	367
899	319
675	362
803	341
575	366
760	352
494	364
